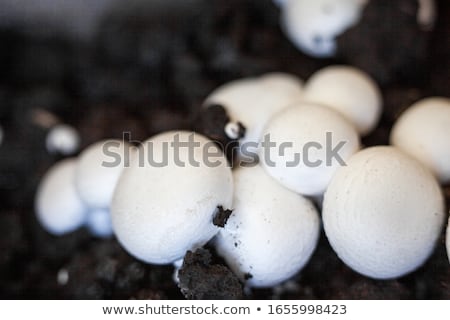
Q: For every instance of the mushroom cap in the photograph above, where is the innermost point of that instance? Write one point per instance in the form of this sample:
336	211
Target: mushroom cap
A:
312	26
59	208
161	211
383	213
99	168
272	231
63	139
310	132
349	91
253	101
99	223
423	131
285	83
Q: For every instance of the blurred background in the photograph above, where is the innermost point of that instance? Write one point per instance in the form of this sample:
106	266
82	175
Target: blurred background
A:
145	66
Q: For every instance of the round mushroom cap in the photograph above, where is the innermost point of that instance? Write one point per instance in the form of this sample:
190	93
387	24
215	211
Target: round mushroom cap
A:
272	231
253	101
349	91
423	131
59	208
99	223
383	213
165	201
285	83
309	142
63	139
312	26
99	168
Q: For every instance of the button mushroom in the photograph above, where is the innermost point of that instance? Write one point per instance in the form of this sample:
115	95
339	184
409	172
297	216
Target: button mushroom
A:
252	101
303	146
272	231
349	91
98	222
59	208
383	213
98	171
312	26
61	138
165	201
423	131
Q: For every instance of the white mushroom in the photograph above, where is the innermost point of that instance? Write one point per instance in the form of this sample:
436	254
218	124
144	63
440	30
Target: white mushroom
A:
165	201
423	131
349	91
272	231
309	142
98	171
312	26
383	213
99	223
285	83
252	102
63	139
59	208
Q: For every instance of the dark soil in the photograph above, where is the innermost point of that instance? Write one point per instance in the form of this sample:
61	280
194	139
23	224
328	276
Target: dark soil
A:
143	77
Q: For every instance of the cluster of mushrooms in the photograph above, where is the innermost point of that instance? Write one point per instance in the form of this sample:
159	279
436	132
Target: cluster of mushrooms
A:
382	207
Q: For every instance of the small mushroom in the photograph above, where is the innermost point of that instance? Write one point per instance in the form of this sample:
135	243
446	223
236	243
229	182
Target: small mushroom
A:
313	26
61	138
304	144
165	201
348	90
59	208
99	223
271	233
423	132
383	213
98	171
251	102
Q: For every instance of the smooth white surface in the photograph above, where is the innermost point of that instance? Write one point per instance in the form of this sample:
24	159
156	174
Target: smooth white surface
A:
423	131
312	26
159	213
383	213
253	101
300	125
59	208
96	178
272	231
62	139
348	90
99	223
